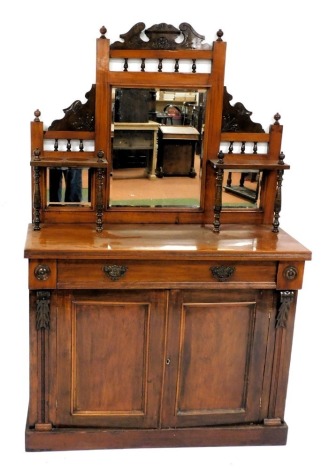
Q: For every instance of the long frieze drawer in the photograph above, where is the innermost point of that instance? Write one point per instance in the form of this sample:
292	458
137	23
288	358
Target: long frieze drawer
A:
136	273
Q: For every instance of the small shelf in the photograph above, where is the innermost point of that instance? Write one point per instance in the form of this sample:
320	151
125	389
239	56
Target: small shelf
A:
86	160
250	164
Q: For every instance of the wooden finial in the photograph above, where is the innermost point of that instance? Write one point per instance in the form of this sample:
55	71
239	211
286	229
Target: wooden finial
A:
220	34
277	117
103	31
37	114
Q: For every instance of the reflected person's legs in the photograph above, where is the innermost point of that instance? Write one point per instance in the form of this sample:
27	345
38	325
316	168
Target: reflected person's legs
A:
73	181
55	184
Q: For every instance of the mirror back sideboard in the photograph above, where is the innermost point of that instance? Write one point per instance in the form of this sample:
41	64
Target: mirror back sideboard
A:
159	319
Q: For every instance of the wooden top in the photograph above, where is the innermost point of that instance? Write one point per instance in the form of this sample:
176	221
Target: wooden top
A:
179	132
150	125
157	241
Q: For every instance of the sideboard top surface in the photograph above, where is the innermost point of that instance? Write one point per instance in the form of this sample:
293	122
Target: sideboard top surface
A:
66	241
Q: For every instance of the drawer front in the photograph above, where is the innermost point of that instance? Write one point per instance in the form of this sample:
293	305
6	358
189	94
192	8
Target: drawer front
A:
133	139
135	273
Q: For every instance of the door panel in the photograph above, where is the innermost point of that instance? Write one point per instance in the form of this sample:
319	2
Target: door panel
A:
215	357
110	369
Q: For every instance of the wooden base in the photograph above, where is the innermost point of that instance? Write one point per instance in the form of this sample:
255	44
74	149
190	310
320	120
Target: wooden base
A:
92	439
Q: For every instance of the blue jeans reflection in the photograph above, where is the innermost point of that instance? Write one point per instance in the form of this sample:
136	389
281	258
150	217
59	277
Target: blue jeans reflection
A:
73	184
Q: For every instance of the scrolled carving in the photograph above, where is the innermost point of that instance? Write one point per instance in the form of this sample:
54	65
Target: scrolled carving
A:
114	271
222	273
42	272
161	36
78	116
236	118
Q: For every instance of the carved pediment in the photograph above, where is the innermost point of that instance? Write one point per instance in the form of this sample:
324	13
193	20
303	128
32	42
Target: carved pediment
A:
161	36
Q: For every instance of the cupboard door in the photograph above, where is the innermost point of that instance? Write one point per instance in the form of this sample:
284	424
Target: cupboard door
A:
109	358
216	357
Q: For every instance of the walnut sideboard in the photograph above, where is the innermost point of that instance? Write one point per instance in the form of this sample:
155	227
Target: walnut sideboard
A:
157	324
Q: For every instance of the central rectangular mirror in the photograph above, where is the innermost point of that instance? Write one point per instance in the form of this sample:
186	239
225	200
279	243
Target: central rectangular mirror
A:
156	140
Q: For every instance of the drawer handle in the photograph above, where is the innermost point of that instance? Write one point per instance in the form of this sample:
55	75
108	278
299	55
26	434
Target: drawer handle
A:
114	271
222	273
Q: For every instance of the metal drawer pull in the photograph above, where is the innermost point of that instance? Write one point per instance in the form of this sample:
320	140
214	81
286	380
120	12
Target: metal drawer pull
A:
222	273
114	272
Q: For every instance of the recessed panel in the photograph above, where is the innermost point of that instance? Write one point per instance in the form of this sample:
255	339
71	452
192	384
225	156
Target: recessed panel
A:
109	350
213	370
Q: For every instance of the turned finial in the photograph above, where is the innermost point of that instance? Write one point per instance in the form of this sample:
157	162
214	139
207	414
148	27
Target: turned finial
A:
36	154
37	114
220	157
277	117
220	34
100	155
103	31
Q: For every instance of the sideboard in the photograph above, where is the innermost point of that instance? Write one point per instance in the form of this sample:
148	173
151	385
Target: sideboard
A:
157	323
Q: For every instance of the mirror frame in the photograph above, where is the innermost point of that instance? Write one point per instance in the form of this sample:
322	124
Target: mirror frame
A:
212	82
92	120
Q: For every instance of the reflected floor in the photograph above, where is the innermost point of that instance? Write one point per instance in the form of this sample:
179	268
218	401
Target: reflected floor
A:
131	187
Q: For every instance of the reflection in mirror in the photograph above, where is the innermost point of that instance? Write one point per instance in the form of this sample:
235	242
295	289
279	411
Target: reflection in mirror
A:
68	186
156	147
129	187
241	189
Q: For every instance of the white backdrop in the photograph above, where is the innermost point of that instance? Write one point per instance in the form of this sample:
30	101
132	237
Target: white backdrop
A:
277	57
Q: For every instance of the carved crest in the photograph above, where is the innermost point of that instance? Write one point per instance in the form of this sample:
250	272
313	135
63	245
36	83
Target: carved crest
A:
161	36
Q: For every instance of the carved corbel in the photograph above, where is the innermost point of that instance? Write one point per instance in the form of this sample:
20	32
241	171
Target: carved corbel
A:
286	299
43	310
